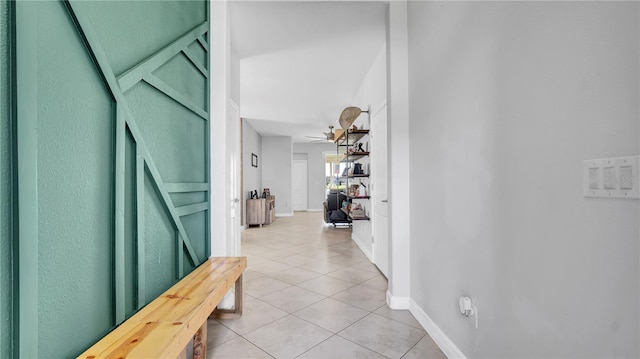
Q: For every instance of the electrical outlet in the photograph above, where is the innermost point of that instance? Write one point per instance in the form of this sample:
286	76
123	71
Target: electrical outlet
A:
473	317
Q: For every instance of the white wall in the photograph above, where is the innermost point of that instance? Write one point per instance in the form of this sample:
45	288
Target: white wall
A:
276	162
506	100
251	176
315	170
371	95
373	90
234	73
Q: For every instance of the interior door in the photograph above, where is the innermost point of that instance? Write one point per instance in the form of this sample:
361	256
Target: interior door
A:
300	190
235	207
379	176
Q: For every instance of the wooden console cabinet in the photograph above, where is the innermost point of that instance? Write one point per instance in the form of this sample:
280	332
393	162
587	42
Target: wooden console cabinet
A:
270	210
256	211
261	211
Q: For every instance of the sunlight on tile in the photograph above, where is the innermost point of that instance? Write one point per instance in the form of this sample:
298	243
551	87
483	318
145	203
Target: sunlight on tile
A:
309	292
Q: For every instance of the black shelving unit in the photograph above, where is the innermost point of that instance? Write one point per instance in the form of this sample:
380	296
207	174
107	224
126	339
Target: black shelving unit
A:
346	139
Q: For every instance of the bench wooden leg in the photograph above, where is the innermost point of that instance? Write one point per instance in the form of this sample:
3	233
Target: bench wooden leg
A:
200	343
231	313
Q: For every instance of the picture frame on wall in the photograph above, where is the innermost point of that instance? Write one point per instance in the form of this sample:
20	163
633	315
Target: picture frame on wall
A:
254	160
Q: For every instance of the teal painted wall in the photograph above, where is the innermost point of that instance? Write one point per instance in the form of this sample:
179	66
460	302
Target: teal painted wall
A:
113	161
75	164
6	300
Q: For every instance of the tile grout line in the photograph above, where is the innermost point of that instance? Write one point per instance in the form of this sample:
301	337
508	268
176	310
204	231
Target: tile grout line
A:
306	351
354	323
405	353
326	244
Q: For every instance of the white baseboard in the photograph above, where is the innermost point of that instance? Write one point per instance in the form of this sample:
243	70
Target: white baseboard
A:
315	210
446	345
290	214
363	248
397	303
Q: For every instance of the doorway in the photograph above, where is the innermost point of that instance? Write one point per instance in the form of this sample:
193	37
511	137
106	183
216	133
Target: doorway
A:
300	185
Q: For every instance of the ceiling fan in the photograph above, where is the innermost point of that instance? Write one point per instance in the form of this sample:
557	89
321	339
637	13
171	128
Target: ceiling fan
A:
328	136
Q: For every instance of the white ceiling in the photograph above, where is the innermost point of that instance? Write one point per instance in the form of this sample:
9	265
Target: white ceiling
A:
301	63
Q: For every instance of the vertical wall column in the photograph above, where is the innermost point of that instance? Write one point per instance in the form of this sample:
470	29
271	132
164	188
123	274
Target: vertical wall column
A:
219	97
398	155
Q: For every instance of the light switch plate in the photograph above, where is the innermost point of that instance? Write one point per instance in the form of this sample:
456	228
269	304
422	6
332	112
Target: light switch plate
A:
615	177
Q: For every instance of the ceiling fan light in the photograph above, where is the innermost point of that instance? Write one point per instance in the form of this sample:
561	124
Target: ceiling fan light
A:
330	134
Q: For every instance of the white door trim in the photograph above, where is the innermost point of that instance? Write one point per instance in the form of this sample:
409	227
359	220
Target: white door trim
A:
235	230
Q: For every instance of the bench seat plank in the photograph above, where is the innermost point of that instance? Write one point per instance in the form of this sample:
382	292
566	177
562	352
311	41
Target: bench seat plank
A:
164	327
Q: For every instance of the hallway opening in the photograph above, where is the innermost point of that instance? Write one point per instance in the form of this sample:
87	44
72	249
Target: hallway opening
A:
310	292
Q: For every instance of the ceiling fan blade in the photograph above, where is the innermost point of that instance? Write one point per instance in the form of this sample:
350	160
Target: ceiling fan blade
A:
328	136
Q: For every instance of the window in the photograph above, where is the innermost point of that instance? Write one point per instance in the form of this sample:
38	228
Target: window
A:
333	172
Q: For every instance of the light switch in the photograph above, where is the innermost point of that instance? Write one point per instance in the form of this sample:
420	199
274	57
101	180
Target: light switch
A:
611	177
594	178
626	177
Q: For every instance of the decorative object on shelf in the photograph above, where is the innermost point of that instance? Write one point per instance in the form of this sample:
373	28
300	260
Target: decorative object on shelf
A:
362	190
349	115
354	189
254	194
254	160
357	169
357	210
266	193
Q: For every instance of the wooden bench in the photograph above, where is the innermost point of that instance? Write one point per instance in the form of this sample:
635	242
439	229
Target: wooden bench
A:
164	327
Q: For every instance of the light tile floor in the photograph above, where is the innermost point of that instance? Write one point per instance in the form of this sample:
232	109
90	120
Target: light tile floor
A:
309	292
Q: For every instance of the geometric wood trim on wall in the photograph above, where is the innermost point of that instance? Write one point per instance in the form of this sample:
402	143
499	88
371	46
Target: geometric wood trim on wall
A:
110	163
144	162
